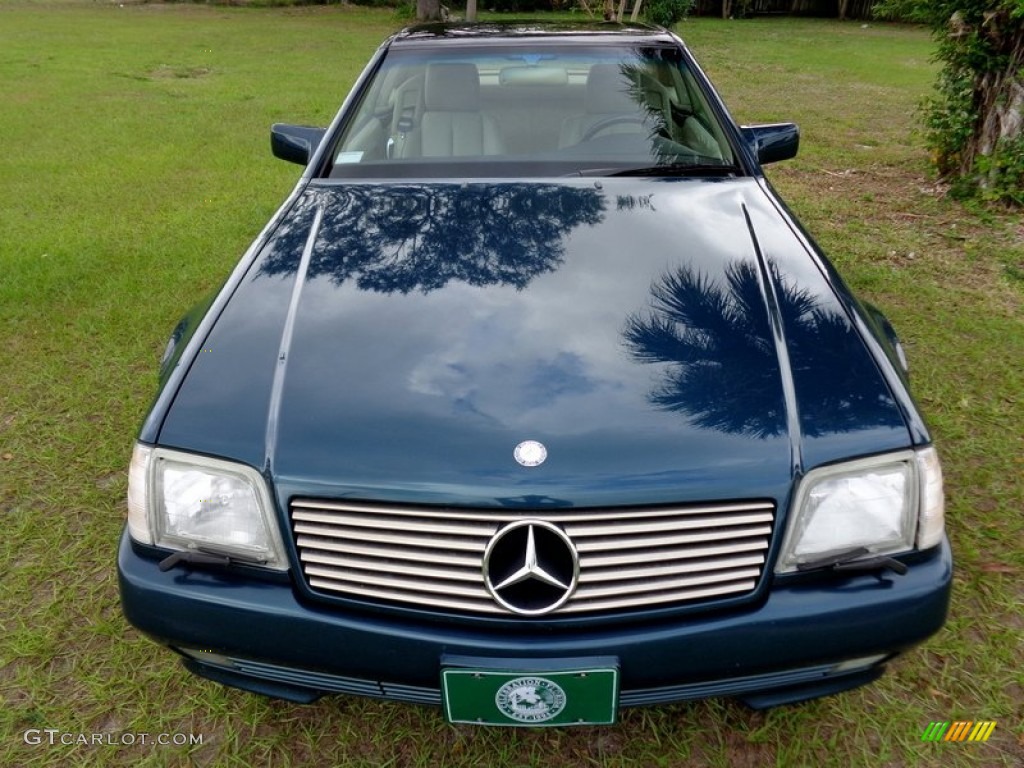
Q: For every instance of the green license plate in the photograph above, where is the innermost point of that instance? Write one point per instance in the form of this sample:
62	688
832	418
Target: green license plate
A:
517	698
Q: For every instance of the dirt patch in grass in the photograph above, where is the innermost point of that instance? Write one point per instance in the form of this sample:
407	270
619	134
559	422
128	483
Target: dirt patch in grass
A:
886	216
168	72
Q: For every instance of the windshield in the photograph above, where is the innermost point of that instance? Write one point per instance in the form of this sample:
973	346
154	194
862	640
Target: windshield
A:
541	110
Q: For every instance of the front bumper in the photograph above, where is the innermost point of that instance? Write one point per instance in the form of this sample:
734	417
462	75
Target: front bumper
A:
805	640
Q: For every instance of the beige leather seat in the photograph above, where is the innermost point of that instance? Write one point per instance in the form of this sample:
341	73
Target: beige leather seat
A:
451	124
682	125
635	102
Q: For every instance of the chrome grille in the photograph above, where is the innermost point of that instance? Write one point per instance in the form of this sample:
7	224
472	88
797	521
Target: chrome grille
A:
629	558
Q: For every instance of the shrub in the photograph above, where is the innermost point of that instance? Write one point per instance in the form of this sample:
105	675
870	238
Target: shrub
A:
667	13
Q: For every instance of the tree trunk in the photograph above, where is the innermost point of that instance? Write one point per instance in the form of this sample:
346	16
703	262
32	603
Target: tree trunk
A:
470	10
428	10
998	134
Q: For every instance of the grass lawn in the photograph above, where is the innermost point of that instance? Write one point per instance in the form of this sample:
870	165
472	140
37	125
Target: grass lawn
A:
135	169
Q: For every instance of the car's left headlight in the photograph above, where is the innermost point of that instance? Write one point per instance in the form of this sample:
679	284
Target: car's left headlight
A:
188	502
882	505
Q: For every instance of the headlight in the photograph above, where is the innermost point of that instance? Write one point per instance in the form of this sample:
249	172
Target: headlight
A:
882	505
183	501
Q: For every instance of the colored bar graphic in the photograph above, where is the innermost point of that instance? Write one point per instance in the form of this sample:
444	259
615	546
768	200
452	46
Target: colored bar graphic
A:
982	731
960	730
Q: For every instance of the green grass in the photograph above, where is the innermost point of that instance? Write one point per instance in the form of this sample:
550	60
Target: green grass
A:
135	169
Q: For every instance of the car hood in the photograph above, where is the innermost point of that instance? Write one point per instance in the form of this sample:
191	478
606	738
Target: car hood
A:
664	340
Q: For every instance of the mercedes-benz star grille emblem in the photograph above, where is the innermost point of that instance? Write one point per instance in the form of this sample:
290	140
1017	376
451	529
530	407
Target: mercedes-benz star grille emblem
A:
531	567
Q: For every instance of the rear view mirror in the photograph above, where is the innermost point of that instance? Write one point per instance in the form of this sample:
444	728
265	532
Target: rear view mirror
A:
772	142
295	143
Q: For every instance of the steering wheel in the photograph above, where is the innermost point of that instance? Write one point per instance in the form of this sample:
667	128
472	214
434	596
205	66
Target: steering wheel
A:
602	125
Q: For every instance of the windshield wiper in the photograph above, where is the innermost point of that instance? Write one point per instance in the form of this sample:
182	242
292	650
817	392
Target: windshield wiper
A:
198	557
857	559
679	169
665	169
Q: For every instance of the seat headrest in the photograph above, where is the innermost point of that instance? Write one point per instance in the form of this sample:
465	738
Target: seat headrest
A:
608	90
452	88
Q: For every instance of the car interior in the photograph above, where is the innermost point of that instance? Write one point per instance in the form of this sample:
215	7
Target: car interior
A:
537	108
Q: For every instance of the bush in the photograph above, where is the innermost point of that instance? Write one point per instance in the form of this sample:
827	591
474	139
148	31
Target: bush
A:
974	119
667	13
911	11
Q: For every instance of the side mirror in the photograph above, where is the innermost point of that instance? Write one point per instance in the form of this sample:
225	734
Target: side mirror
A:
773	141
295	143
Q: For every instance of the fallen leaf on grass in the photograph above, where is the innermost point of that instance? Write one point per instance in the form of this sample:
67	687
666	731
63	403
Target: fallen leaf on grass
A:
997	568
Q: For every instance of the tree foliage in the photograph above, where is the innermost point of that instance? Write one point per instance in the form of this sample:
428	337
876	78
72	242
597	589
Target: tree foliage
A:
975	119
666	13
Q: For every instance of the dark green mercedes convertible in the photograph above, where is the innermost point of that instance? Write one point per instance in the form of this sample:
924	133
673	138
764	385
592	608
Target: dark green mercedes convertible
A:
533	401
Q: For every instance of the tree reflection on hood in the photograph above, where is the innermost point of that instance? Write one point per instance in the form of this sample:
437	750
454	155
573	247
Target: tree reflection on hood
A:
722	365
403	238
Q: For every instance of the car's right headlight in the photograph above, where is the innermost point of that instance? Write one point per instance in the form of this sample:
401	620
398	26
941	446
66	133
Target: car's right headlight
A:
881	505
188	502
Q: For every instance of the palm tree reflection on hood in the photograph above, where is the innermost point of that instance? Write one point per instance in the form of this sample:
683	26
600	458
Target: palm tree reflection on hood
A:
390	238
723	369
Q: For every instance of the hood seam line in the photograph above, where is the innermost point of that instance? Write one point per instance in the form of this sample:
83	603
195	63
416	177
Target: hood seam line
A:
281	363
781	350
